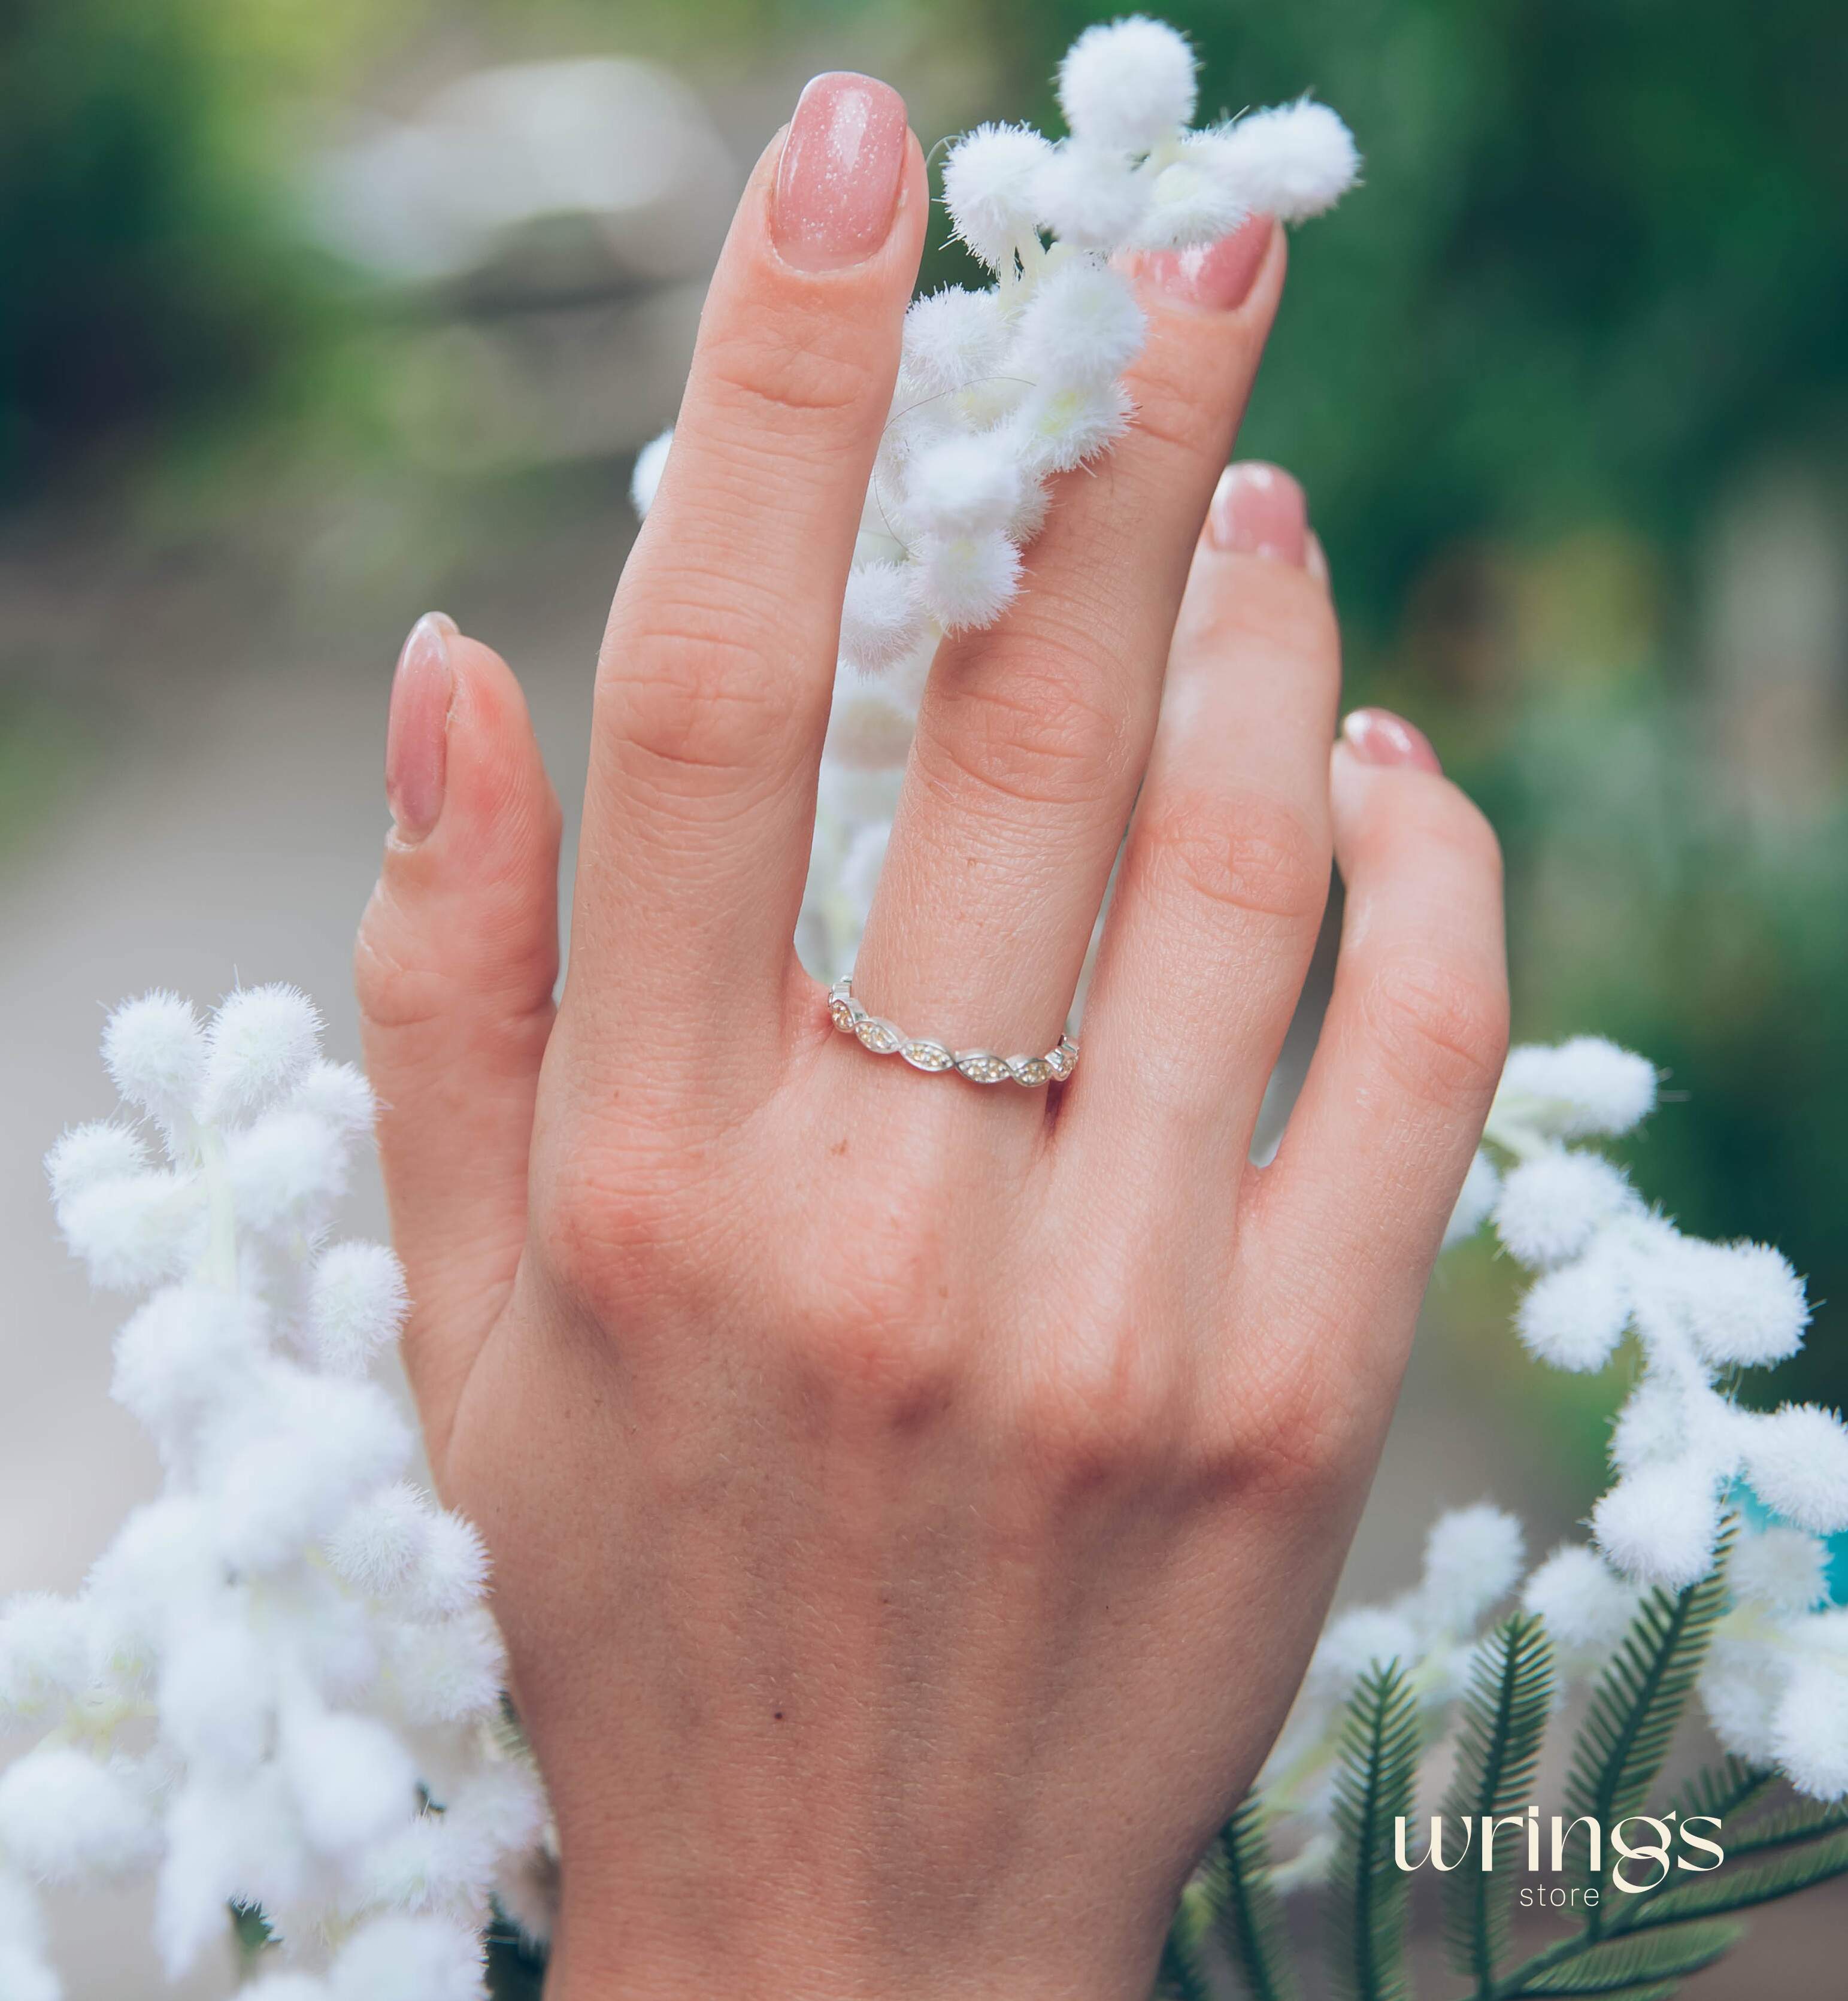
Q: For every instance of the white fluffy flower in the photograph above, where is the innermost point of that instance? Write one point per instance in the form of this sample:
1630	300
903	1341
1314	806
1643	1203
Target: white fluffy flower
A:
1083	325
1797	1459
988	179
1472	1559
1742	1303
1127	84
1550	1207
408	1959
102	1151
1576	1089
972	579
69	1818
1292	162
1661	1524
965	486
155	1051
259	1045
881	620
1090	197
1782	1568
1809	1729
1575	1315
953	338
298	1639
357	1303
44	1652
25	1975
1586	1605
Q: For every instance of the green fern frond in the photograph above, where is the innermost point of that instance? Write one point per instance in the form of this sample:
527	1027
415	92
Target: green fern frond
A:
1183	1975
1639	1702
1503	1719
1250	1921
1731	1889
1620	1965
1787	1828
1374	1791
1724	1789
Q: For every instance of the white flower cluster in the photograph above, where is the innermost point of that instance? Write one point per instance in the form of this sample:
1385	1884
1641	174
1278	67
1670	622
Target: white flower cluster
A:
1472	1560
999	389
1774	1685
1701	1311
279	1687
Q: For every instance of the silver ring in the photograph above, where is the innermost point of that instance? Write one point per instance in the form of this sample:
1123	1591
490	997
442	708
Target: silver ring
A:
979	1065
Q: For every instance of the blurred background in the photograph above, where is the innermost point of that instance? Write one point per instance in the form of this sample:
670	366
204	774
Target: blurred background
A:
316	313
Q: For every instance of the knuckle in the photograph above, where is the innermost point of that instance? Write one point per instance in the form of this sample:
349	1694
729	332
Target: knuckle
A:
782	375
1251	856
1036	733
1100	1410
614	1232
695	703
1287	617
1290	1429
1442	1031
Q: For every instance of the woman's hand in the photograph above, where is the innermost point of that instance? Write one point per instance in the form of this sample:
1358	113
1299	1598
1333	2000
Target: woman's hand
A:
913	1504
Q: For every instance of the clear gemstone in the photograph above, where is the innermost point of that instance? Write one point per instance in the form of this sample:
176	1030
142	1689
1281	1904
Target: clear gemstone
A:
879	1036
927	1056
842	1011
981	1067
1030	1070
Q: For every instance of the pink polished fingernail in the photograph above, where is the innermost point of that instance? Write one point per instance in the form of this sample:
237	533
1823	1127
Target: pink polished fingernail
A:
1258	510
837	183
1377	736
417	731
1220	275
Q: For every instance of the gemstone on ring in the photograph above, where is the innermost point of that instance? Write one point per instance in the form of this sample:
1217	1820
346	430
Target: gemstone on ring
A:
923	1052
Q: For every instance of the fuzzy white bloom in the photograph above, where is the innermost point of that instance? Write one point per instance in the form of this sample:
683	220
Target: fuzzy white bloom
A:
1127	84
297	1638
988	179
357	1304
1293	162
1797	1459
1574	1090
1551	1206
1585	1604
66	1817
999	391
259	1045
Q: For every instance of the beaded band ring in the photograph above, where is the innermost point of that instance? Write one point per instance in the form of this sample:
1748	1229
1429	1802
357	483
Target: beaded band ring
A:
979	1065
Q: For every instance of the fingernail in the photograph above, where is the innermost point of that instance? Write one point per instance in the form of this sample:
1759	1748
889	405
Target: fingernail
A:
1377	736
417	732
1258	510
837	183
1219	275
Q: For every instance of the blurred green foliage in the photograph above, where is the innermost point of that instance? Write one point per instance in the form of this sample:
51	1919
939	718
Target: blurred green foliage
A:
1595	282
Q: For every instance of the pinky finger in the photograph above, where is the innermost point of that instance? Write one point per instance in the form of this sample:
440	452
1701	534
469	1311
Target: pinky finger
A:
1413	1045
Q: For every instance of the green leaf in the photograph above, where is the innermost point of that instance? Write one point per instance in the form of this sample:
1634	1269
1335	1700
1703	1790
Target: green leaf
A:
1374	1791
1503	1719
1620	1965
1730	1889
1250	1916
1183	1974
1637	1704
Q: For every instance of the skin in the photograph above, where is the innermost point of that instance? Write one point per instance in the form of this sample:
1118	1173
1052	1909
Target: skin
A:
912	1506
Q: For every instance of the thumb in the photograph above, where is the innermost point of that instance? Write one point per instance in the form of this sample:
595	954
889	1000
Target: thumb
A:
456	958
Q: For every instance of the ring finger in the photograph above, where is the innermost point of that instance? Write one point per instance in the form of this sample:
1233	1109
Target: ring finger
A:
1033	735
